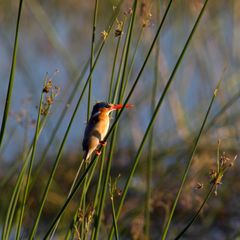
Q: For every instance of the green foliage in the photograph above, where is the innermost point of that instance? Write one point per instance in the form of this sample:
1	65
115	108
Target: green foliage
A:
89	200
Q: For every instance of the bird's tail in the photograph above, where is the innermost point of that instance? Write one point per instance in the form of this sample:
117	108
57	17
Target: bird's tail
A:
86	155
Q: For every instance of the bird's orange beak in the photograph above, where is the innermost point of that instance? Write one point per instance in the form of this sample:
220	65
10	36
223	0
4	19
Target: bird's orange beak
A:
119	106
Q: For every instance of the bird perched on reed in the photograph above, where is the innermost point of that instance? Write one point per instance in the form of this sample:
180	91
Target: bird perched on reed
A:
97	127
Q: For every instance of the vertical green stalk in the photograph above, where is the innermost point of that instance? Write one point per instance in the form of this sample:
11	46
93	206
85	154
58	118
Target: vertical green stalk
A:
71	98
150	145
197	213
26	190
88	182
11	77
92	57
62	146
103	196
78	184
156	110
83	201
96	198
113	68
114	218
80	181
16	190
129	39
58	124
186	173
132	62
198	137
74	220
189	164
140	72
95	232
89	103
18	210
120	69
113	139
109	29
70	191
121	75
11	209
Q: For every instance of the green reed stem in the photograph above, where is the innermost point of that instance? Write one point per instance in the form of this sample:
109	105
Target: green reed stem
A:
96	198
71	188
114	219
68	235
126	50
132	61
140	72
26	190
11	77
16	190
121	74
78	184
120	69
89	106
189	164
113	69
147	209
10	212
61	148
105	183
113	140
83	200
71	227
155	114
196	214
126	54
198	137
99	184
70	99
92	57
213	186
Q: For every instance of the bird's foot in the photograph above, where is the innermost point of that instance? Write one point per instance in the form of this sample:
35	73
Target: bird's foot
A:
103	143
98	152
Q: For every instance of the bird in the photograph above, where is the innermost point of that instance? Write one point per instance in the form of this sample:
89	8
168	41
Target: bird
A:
97	127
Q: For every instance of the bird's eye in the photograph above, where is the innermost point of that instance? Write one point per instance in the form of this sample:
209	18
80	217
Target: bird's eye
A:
108	106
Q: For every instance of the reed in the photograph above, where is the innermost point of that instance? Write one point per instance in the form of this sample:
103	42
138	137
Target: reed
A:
143	149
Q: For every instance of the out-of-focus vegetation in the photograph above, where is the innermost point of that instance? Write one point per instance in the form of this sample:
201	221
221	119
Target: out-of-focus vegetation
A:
55	42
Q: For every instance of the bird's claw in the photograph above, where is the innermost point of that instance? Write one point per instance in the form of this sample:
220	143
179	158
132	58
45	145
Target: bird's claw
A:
103	143
98	152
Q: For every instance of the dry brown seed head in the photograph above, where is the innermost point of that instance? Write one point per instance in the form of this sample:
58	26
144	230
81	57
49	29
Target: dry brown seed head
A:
104	35
47	86
199	185
128	12
119	29
49	100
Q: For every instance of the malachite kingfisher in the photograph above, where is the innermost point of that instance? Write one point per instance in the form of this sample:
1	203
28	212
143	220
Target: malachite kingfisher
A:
97	127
